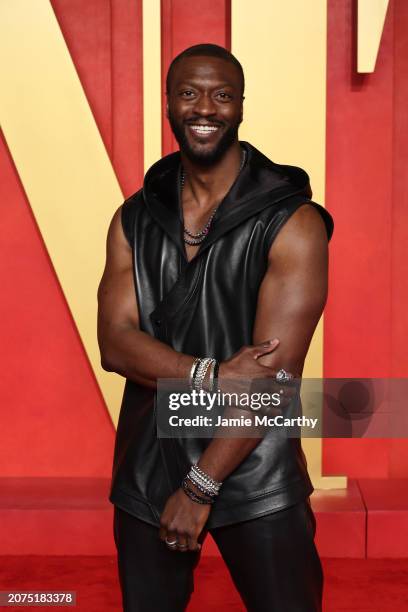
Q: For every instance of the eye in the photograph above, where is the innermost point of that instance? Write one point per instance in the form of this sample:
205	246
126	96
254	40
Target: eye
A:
187	93
224	96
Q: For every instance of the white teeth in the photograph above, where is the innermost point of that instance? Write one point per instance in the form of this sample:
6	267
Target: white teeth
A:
204	128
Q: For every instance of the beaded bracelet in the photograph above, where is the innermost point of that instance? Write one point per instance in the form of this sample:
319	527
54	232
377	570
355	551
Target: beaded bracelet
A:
194	496
201	487
202	484
199	370
193	372
205	477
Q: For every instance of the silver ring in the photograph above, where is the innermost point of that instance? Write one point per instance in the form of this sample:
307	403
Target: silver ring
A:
283	376
170	543
182	545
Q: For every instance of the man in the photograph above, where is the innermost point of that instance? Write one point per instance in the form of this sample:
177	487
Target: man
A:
221	255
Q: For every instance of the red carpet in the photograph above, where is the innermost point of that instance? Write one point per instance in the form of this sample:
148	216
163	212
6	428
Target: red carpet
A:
360	585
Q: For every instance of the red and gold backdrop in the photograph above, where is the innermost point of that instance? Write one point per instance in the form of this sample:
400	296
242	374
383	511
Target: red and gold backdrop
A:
82	90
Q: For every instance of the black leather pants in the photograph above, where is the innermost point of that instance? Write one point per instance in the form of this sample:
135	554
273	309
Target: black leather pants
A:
273	562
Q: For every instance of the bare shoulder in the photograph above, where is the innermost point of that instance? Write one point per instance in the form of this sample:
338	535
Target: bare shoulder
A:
115	231
117	246
118	254
303	235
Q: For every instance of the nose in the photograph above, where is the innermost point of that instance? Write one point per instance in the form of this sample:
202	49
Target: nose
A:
204	105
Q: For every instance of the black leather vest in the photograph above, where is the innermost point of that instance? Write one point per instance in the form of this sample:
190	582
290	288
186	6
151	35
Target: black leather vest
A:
205	307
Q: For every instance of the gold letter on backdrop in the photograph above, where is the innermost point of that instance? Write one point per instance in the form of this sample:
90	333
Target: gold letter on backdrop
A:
61	161
282	46
370	24
152	94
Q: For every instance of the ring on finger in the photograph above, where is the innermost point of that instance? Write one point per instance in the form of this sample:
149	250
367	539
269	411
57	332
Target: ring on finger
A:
283	376
173	543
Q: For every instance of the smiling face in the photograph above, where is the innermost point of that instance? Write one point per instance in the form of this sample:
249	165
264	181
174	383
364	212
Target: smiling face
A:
205	107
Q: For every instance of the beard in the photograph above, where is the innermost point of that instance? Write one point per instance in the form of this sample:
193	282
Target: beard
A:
198	155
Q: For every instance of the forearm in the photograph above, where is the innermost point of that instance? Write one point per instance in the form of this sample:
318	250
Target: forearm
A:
225	451
139	357
224	454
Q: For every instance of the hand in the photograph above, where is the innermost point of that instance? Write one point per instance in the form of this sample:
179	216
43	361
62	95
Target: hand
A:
183	520
244	364
237	374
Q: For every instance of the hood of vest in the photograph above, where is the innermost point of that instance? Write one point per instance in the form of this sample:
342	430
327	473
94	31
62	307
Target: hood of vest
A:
260	183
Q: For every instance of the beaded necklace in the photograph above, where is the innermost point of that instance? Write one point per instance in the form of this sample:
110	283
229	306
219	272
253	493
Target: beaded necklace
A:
194	239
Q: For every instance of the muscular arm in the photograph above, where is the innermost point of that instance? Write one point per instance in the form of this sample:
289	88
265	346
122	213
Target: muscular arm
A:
290	302
124	348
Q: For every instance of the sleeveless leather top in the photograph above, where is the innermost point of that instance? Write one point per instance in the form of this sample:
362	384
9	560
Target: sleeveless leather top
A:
205	307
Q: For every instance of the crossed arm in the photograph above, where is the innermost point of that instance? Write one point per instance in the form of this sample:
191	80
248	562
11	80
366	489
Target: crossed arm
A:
290	302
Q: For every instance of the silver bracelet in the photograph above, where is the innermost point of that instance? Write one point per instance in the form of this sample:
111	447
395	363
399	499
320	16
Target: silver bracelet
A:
199	473
200	372
193	371
213	369
202	486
